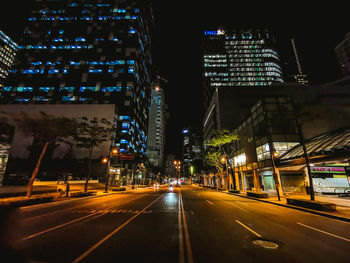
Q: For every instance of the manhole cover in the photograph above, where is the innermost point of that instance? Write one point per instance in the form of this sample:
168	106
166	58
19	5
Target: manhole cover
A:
265	244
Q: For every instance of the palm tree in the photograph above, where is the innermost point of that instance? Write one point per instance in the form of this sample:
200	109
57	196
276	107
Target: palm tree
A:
45	129
91	133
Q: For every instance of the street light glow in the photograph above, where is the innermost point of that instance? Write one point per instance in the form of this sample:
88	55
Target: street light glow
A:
105	160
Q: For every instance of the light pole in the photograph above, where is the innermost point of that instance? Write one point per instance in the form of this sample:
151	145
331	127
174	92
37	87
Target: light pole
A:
276	175
223	159
112	152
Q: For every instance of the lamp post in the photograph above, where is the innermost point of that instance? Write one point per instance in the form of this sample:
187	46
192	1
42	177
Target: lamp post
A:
276	177
107	160
223	159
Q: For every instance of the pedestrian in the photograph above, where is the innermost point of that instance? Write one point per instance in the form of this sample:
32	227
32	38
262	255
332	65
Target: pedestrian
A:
67	188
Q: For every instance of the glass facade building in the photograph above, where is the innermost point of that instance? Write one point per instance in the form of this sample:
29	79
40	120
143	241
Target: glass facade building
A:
156	124
239	58
88	52
342	52
8	51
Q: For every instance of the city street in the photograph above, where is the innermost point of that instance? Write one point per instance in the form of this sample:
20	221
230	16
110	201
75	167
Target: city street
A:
187	224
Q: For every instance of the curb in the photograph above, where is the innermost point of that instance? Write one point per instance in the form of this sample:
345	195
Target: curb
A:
346	219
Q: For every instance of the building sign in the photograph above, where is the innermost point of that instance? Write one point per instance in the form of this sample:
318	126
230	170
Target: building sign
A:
327	169
214	33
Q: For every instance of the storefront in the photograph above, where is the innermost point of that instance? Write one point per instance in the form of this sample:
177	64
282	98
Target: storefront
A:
330	179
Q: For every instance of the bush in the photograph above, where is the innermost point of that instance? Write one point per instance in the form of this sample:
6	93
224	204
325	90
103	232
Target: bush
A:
23	201
82	193
117	189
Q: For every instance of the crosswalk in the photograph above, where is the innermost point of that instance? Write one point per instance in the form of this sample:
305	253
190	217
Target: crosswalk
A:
112	211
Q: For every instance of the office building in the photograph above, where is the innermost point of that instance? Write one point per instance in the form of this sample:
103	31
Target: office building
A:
239	58
88	52
234	60
8	51
342	52
156	124
299	77
191	152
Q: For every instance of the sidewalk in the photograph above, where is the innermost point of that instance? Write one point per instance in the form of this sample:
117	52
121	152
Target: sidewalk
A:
342	211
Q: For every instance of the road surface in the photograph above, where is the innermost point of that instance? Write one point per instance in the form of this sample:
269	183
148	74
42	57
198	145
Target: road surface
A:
188	224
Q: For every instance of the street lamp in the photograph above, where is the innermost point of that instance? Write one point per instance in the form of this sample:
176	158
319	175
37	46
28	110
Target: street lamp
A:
223	160
112	152
275	155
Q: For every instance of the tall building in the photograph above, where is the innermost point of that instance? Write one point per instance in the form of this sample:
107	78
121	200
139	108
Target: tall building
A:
299	77
236	58
191	152
156	124
342	52
88	52
8	51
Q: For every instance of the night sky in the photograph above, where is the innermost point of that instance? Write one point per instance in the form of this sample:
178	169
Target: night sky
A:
177	44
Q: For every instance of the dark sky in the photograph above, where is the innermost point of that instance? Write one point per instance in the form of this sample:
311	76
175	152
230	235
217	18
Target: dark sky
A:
177	42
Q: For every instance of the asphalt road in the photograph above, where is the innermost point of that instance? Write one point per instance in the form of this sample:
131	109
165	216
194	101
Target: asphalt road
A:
188	224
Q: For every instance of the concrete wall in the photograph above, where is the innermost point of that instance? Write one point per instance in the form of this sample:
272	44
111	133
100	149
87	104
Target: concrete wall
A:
21	141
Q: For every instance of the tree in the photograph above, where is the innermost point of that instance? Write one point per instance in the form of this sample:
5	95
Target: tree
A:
91	133
45	129
221	144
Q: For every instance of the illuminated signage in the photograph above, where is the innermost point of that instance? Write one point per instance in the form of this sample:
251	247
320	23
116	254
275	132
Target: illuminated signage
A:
185	131
214	33
327	169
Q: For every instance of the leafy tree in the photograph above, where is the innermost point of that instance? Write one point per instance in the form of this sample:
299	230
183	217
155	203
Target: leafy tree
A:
45	129
221	144
91	133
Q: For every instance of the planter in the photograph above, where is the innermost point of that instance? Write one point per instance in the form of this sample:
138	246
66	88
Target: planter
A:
316	205
258	194
234	191
117	189
82	194
23	201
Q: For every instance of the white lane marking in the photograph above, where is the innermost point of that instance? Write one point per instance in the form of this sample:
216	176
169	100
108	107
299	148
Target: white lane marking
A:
236	206
86	253
210	202
100	212
324	232
64	210
242	203
251	230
